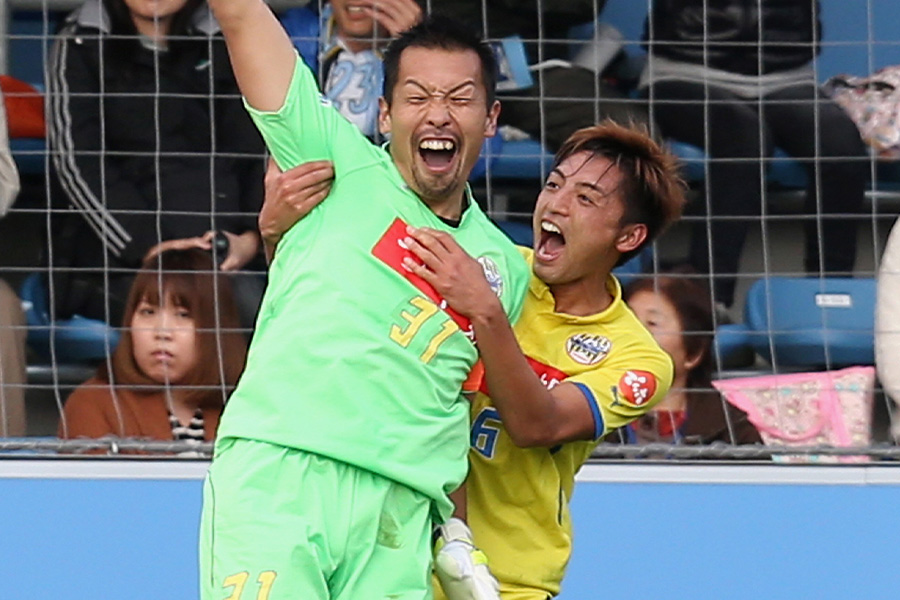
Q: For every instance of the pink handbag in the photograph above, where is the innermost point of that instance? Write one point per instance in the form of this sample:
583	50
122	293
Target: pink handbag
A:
832	408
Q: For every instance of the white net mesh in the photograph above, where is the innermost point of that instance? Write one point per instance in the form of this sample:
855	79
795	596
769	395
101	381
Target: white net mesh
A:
782	174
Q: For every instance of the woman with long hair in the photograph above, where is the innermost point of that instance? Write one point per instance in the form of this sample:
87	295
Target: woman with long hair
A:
180	355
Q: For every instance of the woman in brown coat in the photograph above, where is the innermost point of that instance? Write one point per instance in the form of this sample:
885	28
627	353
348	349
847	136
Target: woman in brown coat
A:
180	354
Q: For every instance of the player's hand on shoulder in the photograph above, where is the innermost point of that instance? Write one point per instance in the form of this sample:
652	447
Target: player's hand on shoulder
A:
291	195
457	277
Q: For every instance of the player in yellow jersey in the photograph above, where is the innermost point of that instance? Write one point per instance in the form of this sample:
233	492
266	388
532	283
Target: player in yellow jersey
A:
576	365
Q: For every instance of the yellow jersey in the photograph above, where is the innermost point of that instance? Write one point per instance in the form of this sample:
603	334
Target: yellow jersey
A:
518	498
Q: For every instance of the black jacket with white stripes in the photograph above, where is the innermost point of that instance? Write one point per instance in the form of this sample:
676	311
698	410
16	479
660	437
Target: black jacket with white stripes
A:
151	148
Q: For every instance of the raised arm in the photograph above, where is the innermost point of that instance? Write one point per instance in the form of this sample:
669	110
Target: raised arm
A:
261	52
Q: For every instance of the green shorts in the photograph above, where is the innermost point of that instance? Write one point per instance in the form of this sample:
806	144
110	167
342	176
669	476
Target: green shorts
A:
281	523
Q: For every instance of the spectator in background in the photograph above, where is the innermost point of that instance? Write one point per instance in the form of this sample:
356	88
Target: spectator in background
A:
12	363
736	78
12	319
180	354
563	96
887	322
677	312
9	175
152	148
346	40
343	46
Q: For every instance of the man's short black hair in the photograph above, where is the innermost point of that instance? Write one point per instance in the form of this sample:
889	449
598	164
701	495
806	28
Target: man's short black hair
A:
438	32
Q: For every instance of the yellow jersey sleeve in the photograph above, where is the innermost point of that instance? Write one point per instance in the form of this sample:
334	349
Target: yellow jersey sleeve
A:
625	386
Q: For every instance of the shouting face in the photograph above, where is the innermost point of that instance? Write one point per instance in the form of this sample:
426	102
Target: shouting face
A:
438	118
578	223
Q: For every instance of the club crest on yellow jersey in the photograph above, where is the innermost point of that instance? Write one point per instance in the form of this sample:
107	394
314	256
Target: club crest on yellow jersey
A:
588	349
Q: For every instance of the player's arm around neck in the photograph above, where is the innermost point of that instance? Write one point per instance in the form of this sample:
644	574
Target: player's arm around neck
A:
261	52
532	414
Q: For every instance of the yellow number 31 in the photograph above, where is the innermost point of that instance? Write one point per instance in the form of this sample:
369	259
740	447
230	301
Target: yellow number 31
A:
239	580
414	320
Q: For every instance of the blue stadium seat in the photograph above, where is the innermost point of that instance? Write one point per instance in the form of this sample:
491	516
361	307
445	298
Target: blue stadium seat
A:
812	322
75	340
692	160
520	233
637	266
732	347
29	154
781	170
490	148
525	159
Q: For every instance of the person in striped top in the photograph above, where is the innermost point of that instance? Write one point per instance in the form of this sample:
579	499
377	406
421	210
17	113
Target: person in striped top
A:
180	354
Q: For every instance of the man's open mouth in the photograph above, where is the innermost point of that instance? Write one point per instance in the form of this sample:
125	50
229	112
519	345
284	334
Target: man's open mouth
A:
437	153
551	242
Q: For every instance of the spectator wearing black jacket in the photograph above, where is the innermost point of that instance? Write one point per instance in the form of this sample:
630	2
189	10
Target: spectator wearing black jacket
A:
736	78
152	149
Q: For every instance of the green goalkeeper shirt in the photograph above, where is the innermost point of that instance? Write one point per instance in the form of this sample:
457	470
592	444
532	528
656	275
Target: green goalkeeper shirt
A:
353	357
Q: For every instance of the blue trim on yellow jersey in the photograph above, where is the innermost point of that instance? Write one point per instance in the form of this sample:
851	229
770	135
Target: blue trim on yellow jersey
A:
595	411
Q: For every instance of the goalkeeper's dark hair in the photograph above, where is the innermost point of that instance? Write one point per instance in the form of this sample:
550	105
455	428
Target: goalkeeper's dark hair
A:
438	32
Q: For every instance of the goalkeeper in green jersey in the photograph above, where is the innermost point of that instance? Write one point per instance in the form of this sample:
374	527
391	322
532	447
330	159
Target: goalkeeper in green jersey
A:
347	430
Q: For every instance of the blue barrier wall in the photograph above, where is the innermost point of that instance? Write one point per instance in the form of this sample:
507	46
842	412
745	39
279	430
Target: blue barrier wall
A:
127	530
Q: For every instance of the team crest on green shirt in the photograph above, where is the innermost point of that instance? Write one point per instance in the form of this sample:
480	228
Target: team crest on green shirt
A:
492	274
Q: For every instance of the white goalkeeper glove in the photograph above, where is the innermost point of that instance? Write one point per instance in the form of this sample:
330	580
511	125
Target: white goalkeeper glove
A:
461	567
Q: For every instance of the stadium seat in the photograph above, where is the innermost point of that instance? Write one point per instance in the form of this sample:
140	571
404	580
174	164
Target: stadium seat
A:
29	45
490	148
520	233
812	322
74	340
782	170
515	160
637	266
731	346
29	154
